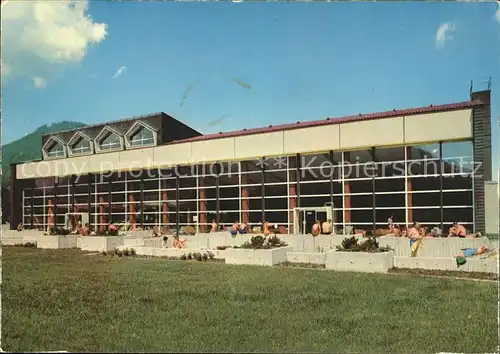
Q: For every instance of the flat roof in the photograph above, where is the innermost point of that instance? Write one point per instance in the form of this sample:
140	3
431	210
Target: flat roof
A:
337	120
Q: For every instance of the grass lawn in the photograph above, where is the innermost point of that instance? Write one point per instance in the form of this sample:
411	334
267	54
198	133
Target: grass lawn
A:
65	300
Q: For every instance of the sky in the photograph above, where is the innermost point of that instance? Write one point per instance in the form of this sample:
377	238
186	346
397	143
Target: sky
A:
227	66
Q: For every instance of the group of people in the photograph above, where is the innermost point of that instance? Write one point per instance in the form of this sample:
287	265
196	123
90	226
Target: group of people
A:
417	231
324	228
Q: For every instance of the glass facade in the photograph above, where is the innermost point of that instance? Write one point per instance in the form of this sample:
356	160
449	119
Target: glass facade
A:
432	184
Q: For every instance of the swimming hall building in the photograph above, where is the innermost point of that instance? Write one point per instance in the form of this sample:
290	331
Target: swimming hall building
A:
426	164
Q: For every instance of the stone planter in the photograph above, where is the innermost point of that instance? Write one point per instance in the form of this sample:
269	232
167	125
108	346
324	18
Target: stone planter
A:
57	241
257	257
305	257
365	262
100	243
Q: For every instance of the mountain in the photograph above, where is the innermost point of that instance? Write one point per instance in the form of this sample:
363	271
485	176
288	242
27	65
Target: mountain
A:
29	147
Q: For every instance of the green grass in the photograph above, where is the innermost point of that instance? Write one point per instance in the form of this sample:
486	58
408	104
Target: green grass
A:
65	300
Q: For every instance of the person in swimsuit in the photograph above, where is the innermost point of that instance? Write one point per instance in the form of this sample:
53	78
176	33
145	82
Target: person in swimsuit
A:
457	230
316	228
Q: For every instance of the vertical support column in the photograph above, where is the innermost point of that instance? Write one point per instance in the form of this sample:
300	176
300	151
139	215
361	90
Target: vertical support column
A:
73	182
374	209
217	195
440	167
177	182
409	190
142	198
164	206
347	195
32	203
131	212
110	205
203	203
298	165
245	206
56	183
263	189
481	129
15	198
102	227
89	198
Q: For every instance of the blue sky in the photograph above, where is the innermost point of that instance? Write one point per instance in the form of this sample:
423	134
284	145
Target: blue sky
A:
251	64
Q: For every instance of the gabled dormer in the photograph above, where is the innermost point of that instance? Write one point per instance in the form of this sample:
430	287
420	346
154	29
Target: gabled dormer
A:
54	148
141	134
80	144
108	140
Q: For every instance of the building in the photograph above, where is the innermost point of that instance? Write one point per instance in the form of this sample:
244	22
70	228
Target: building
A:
426	164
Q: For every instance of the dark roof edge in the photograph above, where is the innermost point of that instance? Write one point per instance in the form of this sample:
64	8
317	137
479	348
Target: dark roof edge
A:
107	123
338	120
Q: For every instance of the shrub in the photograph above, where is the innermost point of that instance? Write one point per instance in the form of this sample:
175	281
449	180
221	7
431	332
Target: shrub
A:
211	255
126	252
183	257
222	248
199	257
350	244
189	256
133	252
113	233
104	253
275	241
205	256
120	253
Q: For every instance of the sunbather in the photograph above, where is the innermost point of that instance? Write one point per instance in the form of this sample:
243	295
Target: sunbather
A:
179	243
469	252
457	230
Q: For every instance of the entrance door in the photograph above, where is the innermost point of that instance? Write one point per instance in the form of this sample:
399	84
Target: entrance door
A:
304	218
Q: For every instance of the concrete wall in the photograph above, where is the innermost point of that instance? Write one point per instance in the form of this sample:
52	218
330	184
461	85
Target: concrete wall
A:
447	263
257	257
57	241
359	261
434	247
100	243
304	257
491	208
351	135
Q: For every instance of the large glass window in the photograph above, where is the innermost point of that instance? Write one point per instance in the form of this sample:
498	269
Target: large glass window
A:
55	150
111	141
142	136
81	146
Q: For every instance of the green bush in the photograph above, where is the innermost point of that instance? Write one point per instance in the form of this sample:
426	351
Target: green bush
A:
133	252
205	256
189	256
126	252
350	244
183	257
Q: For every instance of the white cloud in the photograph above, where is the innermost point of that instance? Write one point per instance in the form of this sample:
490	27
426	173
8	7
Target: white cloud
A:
39	33
443	33
119	72
39	82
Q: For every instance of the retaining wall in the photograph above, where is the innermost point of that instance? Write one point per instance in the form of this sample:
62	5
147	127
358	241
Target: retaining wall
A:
365	262
57	241
305	257
257	257
100	243
435	246
447	263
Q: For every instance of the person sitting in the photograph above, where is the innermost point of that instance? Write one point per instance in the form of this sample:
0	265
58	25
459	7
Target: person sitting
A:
243	229
179	243
214	226
413	233
85	231
112	229
165	239
457	230
326	227
316	228
235	228
267	228
156	231
390	224
19	227
396	230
